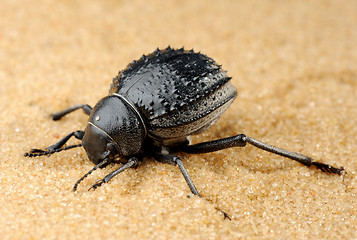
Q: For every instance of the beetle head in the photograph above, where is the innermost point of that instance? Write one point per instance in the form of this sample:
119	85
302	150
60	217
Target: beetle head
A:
114	129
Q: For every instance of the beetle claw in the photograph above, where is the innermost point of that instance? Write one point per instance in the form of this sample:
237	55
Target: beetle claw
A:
327	168
97	184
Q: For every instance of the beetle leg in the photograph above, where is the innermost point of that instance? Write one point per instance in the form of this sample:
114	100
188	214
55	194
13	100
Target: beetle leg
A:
58	115
101	164
57	146
216	145
241	140
132	162
173	160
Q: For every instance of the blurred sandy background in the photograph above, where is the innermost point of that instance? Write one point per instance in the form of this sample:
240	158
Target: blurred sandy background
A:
294	64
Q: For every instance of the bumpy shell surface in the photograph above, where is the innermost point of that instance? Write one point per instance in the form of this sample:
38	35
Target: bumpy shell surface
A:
177	92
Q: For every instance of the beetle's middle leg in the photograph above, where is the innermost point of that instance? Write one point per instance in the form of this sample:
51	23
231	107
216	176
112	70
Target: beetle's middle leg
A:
175	160
58	115
241	140
172	159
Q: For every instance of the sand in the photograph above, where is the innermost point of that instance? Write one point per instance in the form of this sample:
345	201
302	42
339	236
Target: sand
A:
294	64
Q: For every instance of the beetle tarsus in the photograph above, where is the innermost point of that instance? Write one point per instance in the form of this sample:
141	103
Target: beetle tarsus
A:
39	152
36	153
225	215
97	184
307	161
327	168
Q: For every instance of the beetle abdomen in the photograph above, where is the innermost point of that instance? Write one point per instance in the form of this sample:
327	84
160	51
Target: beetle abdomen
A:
194	118
178	92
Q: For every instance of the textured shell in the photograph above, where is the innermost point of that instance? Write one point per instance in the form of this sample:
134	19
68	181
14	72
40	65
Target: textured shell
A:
173	88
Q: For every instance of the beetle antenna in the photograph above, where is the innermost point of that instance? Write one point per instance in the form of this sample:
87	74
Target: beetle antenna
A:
101	164
39	152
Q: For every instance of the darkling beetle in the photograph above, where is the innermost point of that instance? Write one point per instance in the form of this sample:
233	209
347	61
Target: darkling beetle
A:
154	105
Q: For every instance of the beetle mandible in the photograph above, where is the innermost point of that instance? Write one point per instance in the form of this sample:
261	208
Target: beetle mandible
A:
154	105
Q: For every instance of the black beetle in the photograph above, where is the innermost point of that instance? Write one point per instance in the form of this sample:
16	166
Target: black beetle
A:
153	106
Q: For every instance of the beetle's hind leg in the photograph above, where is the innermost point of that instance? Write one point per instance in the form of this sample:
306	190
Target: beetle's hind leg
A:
241	140
175	160
58	115
57	147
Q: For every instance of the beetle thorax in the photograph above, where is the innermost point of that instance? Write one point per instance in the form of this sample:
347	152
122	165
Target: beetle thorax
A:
114	127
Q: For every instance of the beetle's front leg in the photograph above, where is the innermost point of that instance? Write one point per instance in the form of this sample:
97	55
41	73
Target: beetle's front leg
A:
241	140
57	147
